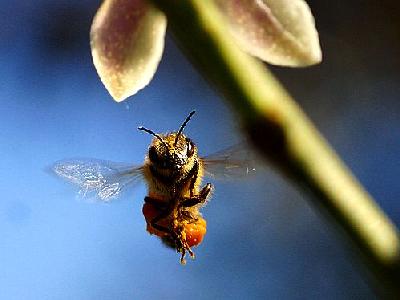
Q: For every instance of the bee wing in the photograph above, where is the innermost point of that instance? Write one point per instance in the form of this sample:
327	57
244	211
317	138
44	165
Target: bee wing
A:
230	163
97	178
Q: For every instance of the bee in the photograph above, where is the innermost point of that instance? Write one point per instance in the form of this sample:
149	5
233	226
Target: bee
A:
173	171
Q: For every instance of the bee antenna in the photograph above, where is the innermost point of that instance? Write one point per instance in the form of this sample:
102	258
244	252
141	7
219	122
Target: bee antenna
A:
154	134
183	126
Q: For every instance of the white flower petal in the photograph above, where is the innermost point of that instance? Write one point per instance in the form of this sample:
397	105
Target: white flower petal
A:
280	32
127	41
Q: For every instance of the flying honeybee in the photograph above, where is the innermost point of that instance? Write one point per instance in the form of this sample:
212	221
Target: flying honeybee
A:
173	172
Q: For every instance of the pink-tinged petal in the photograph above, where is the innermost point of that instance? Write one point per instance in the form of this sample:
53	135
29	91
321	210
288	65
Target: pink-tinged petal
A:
127	41
281	32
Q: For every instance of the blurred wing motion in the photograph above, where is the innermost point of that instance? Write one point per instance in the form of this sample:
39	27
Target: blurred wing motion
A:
98	178
230	163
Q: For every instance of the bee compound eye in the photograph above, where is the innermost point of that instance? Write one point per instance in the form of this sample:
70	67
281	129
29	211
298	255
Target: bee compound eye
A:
153	156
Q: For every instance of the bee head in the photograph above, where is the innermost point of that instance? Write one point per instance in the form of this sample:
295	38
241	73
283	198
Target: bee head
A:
172	151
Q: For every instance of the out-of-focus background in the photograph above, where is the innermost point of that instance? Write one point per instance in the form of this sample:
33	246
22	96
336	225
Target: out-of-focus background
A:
264	240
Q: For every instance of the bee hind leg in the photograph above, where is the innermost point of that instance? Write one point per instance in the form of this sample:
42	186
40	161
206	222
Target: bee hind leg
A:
175	242
165	211
173	237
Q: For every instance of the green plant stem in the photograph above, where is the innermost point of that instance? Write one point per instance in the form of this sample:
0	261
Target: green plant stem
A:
282	133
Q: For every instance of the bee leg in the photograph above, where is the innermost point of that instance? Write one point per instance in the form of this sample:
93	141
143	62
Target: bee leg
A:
183	260
182	247
156	203
174	239
198	199
165	210
171	233
178	245
161	216
205	191
195	171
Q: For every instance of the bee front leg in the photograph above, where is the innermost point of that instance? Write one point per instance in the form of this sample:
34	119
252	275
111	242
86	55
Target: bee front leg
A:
198	199
206	191
195	174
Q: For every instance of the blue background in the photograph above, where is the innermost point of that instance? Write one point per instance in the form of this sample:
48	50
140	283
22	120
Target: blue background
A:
264	239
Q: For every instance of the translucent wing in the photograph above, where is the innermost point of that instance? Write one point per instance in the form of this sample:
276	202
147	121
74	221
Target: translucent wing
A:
98	178
233	162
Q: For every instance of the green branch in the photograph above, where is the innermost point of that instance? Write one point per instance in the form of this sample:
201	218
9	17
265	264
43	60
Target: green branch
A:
280	130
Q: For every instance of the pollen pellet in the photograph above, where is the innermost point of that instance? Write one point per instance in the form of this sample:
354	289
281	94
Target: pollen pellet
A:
150	212
195	232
